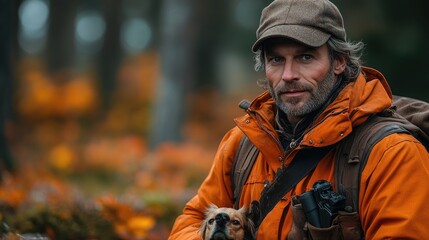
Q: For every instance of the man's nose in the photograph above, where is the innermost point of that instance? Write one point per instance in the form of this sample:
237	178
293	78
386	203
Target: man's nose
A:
221	218
289	72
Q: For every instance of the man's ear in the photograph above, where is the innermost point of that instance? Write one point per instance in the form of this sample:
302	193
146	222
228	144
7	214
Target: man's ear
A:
339	65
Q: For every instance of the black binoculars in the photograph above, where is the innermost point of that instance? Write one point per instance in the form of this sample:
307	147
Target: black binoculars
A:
321	204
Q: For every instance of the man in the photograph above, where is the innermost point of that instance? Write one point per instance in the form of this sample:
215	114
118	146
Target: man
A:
317	93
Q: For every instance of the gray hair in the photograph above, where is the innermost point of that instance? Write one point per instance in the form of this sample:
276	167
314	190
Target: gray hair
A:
351	51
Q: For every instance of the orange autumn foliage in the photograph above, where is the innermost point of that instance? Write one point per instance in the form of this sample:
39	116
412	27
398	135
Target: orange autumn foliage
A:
128	223
137	79
61	157
10	194
40	95
68	154
133	95
174	167
33	187
119	154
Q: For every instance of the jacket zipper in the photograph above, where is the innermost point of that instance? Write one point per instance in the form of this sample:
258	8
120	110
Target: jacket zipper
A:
286	152
292	145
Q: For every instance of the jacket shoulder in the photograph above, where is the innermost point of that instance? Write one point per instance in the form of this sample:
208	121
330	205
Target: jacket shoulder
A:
354	151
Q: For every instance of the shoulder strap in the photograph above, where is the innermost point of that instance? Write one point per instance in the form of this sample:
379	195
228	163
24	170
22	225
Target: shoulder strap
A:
304	162
286	178
243	163
353	152
407	115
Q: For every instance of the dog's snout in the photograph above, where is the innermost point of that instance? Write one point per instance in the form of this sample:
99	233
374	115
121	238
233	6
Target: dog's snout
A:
221	218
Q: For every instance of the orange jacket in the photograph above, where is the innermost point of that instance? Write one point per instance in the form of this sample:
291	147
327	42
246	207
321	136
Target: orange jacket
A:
394	188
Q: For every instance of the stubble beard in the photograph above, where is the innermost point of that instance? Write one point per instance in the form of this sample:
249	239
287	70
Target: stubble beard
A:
318	95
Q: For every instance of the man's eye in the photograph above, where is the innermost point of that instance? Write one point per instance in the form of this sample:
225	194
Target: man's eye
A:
275	59
211	221
306	57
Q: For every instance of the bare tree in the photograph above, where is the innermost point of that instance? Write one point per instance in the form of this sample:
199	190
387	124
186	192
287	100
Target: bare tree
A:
8	27
177	68
60	47
111	54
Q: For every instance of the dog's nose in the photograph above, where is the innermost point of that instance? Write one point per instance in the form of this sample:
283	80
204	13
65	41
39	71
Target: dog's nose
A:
221	218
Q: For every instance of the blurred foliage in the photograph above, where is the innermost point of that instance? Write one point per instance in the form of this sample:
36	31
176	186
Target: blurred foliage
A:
68	222
80	176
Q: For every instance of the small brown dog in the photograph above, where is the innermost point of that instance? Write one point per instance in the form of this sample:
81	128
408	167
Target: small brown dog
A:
228	224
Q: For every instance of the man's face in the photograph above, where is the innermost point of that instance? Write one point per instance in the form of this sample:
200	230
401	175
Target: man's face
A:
300	77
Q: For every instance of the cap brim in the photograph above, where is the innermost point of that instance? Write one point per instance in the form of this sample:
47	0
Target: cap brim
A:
306	35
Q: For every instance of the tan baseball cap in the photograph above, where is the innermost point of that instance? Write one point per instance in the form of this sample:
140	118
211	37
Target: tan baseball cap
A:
311	22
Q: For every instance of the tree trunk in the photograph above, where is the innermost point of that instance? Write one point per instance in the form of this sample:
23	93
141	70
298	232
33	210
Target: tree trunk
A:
8	24
111	54
177	69
60	46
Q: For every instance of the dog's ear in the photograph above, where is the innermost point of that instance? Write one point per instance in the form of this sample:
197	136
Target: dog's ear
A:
244	210
203	229
254	212
212	207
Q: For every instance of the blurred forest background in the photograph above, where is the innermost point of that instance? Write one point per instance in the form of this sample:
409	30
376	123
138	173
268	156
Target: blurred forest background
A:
111	111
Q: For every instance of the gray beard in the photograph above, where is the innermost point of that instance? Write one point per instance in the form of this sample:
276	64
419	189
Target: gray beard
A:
318	96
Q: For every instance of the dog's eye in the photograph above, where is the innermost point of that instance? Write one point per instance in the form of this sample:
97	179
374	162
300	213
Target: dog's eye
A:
211	221
235	222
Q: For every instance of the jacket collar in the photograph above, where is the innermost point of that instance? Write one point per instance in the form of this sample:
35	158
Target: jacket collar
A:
368	94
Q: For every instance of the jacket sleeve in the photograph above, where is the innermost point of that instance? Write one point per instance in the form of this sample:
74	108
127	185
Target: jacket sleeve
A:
394	190
215	189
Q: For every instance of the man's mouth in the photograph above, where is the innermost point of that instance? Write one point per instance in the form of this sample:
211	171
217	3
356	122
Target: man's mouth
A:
293	93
